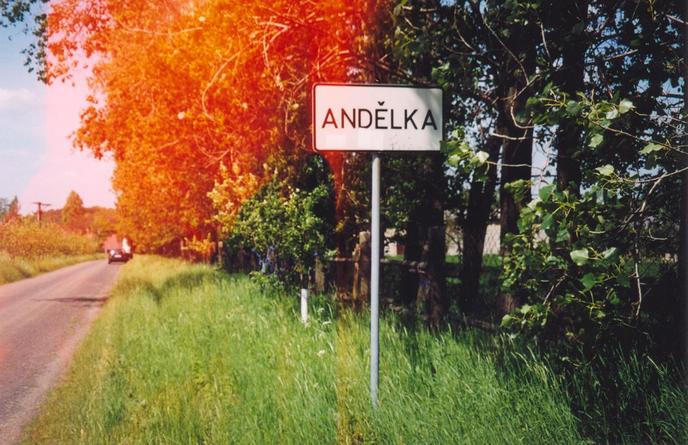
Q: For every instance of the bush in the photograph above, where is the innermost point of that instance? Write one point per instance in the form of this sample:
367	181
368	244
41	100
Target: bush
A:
582	275
282	226
28	239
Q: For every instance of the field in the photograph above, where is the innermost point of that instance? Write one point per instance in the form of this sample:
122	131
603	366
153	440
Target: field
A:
186	354
27	249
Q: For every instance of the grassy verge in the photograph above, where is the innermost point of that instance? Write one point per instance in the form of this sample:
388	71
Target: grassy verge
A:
18	268
184	354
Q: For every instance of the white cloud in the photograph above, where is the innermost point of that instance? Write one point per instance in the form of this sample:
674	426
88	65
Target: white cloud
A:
10	99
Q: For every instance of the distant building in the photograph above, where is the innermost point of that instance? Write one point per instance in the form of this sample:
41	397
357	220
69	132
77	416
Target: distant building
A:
453	242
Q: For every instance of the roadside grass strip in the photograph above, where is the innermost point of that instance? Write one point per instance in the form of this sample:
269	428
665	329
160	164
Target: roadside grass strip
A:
17	268
185	354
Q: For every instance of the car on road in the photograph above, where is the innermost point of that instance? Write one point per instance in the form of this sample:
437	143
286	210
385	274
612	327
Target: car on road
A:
117	250
118	255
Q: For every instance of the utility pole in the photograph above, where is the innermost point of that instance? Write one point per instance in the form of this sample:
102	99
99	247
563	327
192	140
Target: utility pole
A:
39	212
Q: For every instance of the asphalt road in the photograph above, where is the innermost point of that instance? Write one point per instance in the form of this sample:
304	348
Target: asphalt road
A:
42	321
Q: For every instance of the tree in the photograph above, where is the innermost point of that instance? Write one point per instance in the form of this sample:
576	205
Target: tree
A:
501	46
73	212
415	185
683	233
4	207
484	58
103	222
614	112
174	98
31	15
570	78
9	210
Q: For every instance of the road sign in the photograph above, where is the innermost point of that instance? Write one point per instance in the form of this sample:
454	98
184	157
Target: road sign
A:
365	117
372	117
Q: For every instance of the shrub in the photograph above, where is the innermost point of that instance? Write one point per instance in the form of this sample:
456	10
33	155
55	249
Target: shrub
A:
281	224
28	239
583	277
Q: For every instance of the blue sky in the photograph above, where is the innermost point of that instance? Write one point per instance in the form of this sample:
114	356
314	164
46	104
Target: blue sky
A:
21	116
37	161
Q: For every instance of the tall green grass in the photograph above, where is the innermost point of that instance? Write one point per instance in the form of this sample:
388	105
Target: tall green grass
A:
185	354
18	268
629	398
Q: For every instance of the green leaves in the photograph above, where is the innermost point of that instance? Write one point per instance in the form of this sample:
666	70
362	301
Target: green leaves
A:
616	110
625	106
589	280
460	155
573	108
525	309
612	114
563	235
572	266
605	170
609	253
580	256
545	192
651	148
439	74
454	160
283	221
481	157
595	140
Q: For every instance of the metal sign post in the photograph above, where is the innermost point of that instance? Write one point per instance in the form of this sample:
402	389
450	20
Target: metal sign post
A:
375	280
372	117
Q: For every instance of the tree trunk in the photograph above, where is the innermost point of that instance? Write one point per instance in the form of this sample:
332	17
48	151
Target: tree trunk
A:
430	217
480	200
517	148
435	238
431	295
426	219
517	157
412	252
514	153
570	80
683	263
683	242
345	224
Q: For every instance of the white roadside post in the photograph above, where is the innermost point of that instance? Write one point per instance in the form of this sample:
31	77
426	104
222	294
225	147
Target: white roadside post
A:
304	305
375	118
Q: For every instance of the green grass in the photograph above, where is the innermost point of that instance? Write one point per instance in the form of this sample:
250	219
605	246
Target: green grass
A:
628	398
18	268
184	354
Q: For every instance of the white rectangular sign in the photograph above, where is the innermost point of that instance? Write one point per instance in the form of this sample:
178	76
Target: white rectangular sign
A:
375	117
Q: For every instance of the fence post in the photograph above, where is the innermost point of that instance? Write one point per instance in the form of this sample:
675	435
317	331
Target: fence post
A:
431	295
319	275
361	261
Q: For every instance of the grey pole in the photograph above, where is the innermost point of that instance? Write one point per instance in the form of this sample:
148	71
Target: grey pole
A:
375	280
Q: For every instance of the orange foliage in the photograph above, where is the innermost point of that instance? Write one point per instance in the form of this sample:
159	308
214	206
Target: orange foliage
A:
28	239
182	87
